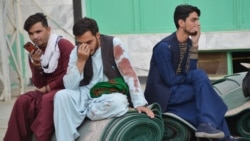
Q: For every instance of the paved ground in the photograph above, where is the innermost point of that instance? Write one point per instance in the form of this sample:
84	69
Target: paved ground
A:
5	110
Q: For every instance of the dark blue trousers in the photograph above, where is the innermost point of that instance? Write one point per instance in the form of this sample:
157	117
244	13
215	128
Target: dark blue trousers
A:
197	102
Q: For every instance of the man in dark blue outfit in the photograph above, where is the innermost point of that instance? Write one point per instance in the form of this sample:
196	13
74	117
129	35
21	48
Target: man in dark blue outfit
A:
178	86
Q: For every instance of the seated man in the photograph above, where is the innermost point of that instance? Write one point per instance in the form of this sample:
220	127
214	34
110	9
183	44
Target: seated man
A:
98	82
178	86
33	111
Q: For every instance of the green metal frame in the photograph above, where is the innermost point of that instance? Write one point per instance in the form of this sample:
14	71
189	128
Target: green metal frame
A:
145	16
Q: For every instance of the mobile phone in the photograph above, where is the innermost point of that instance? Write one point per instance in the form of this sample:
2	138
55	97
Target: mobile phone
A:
29	46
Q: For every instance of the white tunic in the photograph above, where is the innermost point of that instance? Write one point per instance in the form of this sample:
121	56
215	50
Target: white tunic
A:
74	103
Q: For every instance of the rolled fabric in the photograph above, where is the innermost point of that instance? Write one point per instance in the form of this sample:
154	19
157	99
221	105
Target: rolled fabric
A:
243	124
238	114
132	126
242	139
176	128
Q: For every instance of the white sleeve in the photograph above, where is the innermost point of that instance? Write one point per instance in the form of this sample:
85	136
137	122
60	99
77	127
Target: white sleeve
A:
128	73
72	77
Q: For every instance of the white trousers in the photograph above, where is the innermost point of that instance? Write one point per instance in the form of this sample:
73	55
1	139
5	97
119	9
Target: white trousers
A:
71	107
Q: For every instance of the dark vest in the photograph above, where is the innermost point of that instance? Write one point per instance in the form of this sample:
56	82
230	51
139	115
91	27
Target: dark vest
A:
109	66
156	90
174	45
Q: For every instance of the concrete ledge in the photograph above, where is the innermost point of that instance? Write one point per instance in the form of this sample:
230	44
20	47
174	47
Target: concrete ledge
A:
140	46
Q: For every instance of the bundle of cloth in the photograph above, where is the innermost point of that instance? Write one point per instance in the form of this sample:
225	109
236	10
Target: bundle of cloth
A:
132	126
177	129
230	88
238	115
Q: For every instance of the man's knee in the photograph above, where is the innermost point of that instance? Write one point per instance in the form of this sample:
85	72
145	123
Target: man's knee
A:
118	101
120	98
109	105
61	96
199	74
22	100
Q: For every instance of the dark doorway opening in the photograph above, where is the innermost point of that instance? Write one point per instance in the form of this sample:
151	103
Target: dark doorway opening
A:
237	58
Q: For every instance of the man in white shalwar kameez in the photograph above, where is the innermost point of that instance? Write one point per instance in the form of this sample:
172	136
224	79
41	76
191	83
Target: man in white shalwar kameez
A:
73	104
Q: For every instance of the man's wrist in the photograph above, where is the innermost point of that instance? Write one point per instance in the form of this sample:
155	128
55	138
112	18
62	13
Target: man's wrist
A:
47	88
36	64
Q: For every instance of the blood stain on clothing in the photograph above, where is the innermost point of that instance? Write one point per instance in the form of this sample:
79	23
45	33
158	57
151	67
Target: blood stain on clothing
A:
128	70
118	52
125	66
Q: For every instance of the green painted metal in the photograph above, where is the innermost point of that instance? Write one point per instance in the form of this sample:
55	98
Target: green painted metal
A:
244	14
229	63
215	17
145	16
113	16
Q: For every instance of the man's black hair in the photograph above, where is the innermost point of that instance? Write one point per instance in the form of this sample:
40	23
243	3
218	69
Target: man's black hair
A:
33	19
183	11
85	24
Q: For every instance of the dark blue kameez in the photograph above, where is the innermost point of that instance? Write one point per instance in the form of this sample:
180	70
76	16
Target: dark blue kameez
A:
188	94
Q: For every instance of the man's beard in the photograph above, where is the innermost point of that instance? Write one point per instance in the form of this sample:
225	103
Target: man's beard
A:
96	47
190	33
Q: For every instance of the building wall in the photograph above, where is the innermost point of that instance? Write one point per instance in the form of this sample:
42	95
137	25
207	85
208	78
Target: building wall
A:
145	16
142	23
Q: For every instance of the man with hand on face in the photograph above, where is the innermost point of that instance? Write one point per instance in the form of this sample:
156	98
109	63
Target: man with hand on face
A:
33	111
98	82
178	86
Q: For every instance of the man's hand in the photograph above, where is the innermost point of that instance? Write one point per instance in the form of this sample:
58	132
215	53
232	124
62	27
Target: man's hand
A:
195	37
43	89
36	55
83	53
146	110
